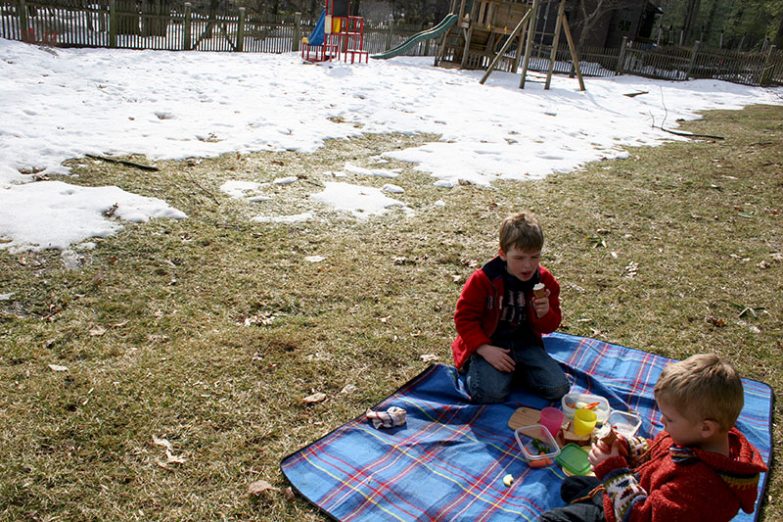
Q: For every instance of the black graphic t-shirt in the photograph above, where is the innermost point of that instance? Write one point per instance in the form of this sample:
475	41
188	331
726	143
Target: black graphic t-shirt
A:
514	324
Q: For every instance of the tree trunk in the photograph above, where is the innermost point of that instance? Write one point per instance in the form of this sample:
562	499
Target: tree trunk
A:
691	14
711	20
779	36
213	8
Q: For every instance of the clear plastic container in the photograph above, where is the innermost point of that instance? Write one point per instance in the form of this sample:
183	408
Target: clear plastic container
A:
538	446
626	424
575	400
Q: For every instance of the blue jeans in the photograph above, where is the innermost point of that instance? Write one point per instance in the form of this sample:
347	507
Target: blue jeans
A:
535	369
581	506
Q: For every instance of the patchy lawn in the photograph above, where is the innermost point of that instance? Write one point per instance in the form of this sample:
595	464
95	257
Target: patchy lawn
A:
208	332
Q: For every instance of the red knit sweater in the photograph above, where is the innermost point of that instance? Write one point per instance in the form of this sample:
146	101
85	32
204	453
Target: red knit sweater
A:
670	483
479	306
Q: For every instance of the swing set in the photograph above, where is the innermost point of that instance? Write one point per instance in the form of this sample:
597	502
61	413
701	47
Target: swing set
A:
484	24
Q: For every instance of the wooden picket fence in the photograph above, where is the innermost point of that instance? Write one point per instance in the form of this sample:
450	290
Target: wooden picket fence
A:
129	24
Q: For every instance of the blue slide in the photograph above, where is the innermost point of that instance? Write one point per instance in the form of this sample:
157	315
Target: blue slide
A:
317	36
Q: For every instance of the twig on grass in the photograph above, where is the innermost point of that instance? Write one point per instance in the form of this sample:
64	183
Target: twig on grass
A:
692	135
678	133
203	189
123	162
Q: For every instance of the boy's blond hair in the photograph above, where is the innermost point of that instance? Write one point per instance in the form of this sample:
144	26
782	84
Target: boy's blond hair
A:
522	231
702	387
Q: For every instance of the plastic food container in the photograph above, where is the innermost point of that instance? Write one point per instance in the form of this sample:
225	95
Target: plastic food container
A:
538	446
626	424
574	460
575	400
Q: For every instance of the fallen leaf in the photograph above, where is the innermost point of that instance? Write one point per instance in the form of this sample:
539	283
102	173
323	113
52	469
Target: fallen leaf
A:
97	331
162	442
314	398
348	388
260	487
170	457
630	270
427	357
58	368
174	459
288	493
597	241
119	325
715	321
109	212
262	318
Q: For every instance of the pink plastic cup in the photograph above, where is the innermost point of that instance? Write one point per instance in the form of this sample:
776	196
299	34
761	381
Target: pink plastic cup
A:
552	420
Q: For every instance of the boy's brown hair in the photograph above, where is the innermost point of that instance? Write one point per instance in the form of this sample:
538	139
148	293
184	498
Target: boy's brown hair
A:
522	231
702	387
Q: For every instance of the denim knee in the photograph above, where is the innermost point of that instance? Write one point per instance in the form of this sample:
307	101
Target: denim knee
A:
554	393
486	384
486	395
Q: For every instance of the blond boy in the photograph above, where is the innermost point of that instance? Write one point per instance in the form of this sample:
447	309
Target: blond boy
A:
699	468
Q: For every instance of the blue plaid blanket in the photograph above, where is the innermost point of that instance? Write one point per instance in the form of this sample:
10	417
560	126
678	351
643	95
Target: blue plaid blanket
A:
449	460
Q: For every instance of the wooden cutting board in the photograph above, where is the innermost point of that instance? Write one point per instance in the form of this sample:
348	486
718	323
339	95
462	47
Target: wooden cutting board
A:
524	417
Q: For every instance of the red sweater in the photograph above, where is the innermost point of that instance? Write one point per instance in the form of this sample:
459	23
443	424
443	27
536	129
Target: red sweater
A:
670	483
480	303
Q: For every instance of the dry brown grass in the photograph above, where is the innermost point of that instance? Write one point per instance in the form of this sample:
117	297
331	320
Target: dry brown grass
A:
701	221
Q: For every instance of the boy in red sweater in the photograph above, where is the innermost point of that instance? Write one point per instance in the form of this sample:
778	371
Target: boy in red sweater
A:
700	468
499	320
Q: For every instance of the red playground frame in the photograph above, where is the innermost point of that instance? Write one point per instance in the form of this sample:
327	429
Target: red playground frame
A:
343	36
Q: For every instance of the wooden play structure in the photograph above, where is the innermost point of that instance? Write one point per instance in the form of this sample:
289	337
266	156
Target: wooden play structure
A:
501	34
337	35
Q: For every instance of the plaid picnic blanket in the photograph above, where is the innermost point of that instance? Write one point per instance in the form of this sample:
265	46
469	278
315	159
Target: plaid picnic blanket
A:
448	461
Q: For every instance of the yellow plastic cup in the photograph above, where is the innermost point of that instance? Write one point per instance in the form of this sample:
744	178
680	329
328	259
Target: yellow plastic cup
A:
584	421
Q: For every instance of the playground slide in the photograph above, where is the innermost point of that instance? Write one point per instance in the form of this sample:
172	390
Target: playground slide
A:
427	34
317	36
